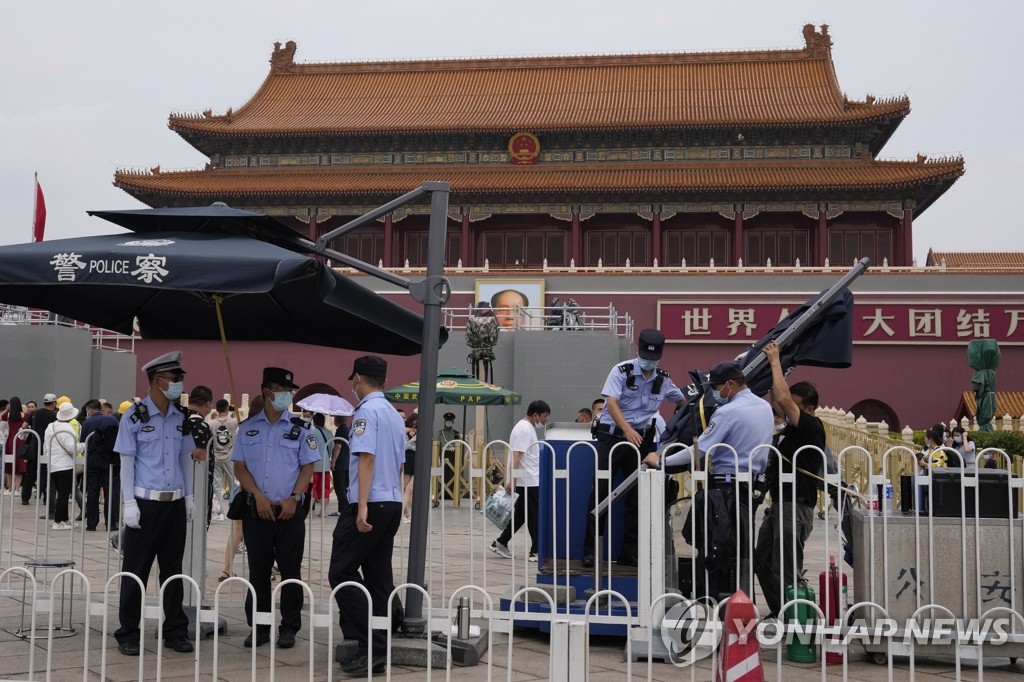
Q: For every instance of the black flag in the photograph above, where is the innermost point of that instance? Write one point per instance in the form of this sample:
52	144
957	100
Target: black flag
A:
826	340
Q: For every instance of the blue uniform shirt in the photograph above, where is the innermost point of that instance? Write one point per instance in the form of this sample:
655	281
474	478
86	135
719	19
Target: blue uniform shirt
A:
157	446
744	422
638	404
272	459
377	429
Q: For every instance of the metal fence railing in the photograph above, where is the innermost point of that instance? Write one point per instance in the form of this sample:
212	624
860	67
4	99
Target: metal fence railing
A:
564	317
102	339
906	579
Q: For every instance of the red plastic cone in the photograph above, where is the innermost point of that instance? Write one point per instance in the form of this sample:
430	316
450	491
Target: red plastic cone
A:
740	657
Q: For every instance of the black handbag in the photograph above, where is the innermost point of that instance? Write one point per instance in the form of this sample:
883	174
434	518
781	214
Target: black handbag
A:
23	451
239	507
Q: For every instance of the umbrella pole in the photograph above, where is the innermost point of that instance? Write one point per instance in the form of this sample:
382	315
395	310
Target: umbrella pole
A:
217	298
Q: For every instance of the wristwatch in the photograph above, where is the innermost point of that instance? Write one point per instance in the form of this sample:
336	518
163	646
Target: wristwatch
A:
297	497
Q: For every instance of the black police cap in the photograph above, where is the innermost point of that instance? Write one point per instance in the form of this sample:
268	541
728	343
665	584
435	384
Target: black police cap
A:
280	376
369	366
725	371
651	344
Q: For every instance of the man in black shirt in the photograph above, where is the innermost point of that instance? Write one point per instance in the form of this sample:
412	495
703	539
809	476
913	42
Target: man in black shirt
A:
38	421
791	517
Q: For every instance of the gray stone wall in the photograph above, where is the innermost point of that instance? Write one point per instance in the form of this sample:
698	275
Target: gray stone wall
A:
566	369
39	359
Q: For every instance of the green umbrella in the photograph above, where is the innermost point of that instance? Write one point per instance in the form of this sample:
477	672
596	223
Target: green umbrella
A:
983	357
456	387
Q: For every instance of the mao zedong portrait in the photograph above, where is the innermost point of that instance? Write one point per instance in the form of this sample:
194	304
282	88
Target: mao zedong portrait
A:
504	304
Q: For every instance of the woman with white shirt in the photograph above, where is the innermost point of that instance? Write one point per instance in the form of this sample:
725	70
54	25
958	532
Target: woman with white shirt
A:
60	445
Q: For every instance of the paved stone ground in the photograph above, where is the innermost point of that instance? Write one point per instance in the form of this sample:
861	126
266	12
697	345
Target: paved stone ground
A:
460	536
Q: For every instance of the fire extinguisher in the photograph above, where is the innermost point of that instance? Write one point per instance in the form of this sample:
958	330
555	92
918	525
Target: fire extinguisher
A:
832	586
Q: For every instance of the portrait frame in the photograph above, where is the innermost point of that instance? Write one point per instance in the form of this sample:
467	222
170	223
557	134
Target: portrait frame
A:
530	290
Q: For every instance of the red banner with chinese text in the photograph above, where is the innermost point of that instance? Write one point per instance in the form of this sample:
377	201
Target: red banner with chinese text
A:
941	320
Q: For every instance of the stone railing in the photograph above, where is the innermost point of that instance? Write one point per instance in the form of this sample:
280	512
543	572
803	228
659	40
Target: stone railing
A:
846	431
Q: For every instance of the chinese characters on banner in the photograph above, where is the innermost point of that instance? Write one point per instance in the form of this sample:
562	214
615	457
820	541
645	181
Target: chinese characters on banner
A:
877	321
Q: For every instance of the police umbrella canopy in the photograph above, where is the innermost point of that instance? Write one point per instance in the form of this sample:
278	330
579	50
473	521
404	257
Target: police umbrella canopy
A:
456	387
217	217
194	285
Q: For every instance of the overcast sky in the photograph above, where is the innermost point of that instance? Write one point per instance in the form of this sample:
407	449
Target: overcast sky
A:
86	87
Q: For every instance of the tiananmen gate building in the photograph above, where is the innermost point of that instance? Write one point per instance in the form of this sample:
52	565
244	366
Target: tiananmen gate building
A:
704	193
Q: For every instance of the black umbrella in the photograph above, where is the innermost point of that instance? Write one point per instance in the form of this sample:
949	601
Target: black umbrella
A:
217	217
184	285
819	333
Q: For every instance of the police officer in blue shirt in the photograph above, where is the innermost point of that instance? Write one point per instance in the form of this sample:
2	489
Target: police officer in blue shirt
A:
745	423
364	538
633	392
274	456
156	483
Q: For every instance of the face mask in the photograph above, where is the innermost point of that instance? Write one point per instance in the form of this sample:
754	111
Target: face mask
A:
648	365
958	440
449	425
717	397
282	400
779	428
174	390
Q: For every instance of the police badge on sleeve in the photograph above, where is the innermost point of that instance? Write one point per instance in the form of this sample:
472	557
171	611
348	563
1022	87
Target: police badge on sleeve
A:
311	442
359	427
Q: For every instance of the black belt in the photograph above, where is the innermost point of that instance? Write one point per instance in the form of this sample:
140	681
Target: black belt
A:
616	431
725	479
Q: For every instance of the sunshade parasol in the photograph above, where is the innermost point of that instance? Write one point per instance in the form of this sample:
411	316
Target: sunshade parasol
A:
328	404
187	285
456	387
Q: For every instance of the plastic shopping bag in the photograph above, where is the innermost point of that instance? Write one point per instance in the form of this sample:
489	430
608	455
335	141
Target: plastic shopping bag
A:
498	509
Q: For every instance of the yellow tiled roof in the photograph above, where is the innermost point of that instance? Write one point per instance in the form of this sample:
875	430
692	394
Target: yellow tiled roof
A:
751	88
977	259
1007	402
608	177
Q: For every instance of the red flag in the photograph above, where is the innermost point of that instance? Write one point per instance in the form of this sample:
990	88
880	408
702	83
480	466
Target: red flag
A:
39	218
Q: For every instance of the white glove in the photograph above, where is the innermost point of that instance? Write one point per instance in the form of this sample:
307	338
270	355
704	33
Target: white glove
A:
190	507
131	514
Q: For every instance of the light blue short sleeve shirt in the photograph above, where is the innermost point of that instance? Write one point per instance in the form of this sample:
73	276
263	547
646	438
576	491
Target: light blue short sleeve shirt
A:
744	423
636	400
274	453
156	446
377	429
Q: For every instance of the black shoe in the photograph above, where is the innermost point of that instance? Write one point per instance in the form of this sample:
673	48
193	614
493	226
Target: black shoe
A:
262	637
588	561
362	663
79	517
128	648
627	560
179	644
90	527
285	639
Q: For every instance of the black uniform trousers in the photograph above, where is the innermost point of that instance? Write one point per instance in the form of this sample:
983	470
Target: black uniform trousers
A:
727	529
108	479
370	553
161	536
624	460
280	541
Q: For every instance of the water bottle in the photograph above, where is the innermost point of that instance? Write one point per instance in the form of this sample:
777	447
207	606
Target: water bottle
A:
890	497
